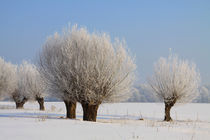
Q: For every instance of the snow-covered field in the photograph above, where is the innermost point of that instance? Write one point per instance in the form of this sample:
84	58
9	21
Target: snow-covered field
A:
121	121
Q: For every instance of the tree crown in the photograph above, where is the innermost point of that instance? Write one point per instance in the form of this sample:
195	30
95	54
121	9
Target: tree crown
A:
175	80
87	67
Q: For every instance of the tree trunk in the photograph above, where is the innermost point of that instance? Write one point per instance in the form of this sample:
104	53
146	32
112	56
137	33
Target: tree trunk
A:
167	112
40	100
19	105
70	109
89	112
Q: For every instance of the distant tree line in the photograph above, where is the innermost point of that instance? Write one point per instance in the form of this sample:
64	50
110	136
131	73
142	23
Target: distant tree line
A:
142	93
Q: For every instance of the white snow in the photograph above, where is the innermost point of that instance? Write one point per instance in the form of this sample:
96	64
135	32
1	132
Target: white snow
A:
115	121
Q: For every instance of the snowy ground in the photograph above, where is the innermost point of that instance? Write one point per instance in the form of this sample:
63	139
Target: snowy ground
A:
115	121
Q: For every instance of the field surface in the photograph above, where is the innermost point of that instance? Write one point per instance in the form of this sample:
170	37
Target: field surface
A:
119	121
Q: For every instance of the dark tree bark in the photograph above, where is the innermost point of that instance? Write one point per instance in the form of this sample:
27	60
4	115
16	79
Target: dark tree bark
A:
19	105
167	113
40	100
70	109
89	112
168	105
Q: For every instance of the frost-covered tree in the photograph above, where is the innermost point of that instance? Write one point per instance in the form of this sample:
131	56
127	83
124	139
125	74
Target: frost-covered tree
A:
55	70
30	85
87	68
174	80
7	78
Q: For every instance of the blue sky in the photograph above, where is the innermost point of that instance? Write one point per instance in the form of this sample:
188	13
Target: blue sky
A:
150	28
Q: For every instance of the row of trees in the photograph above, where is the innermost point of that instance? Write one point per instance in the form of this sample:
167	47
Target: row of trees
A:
77	66
21	83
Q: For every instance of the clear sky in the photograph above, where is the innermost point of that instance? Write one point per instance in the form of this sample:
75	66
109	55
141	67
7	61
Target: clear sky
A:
150	27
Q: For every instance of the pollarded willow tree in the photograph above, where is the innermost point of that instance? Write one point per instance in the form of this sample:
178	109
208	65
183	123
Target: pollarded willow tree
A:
30	83
87	68
7	78
54	68
30	86
174	80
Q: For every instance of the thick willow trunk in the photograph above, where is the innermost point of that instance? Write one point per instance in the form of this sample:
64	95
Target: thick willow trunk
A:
169	103
40	100
167	113
70	109
19	105
89	112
